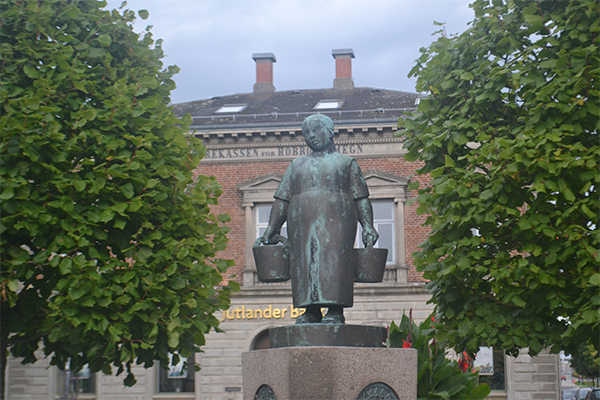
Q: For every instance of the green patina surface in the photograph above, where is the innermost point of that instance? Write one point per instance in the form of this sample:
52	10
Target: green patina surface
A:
322	196
328	335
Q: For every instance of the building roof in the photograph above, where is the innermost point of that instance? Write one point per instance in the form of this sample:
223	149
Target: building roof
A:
359	106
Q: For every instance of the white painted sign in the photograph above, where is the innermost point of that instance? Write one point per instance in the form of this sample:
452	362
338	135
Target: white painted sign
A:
484	361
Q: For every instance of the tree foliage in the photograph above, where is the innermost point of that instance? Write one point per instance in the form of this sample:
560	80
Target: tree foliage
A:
108	244
509	140
587	361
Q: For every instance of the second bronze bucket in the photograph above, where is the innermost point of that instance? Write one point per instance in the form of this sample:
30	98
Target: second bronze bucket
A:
370	264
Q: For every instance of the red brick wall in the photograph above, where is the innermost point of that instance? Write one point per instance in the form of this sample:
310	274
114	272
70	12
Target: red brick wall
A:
230	175
264	72
343	67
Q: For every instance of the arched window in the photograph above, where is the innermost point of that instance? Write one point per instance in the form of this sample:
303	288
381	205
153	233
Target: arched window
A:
261	341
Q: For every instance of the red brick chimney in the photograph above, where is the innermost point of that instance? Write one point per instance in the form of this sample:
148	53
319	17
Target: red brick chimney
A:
343	69
264	72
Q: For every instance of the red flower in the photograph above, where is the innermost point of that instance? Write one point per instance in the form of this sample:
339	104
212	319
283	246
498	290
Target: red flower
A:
464	362
405	344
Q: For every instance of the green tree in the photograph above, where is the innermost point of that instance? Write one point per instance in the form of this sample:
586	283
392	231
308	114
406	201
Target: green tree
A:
508	138
587	361
108	244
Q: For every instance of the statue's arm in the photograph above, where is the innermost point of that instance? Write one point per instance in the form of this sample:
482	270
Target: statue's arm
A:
276	220
365	217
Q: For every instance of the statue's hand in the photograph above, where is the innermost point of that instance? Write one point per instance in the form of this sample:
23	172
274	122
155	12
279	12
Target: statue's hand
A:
369	236
269	237
260	240
273	239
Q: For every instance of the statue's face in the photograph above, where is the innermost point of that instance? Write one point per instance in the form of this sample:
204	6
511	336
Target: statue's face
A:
318	137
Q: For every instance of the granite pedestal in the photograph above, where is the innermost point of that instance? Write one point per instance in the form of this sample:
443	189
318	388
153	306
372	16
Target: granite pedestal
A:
329	362
330	373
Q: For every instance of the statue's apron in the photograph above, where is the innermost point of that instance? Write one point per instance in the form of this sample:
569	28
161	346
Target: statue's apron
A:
321	242
322	227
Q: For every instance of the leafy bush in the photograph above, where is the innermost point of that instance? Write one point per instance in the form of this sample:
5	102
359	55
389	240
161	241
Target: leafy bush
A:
438	377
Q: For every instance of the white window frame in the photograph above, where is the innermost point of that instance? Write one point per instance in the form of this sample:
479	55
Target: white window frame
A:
385	186
263	225
191	372
231	109
376	223
329	105
60	380
258	191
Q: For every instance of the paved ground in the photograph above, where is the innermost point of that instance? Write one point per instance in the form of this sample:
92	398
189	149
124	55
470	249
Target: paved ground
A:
567	383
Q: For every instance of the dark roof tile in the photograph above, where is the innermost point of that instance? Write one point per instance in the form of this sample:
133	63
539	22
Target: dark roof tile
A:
291	107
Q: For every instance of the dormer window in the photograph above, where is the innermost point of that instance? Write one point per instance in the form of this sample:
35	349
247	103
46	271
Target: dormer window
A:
329	105
231	109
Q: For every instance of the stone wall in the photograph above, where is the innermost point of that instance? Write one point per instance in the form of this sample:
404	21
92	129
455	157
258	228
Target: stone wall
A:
532	378
31	382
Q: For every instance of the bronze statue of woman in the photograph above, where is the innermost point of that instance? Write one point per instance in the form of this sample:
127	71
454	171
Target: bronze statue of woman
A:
322	196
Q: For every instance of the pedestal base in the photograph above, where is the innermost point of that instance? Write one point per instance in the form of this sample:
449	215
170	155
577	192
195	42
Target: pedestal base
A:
330	373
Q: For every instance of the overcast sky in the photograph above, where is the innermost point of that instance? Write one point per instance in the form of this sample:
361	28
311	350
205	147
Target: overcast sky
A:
212	41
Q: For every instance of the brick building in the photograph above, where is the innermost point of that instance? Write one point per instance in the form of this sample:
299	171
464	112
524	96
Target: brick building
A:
251	139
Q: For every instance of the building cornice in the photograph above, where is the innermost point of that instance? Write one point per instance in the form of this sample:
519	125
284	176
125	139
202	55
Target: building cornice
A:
373	289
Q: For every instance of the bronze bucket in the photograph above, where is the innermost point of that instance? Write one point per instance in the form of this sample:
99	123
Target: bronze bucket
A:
369	264
272	260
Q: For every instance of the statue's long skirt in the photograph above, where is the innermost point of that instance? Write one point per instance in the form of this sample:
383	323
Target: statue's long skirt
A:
322	228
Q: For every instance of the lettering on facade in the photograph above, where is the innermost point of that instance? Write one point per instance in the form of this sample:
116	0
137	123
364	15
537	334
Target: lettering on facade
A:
349	148
244	312
274	152
231	153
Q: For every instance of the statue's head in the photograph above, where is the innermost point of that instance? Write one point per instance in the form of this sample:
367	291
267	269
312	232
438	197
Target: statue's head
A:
318	131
